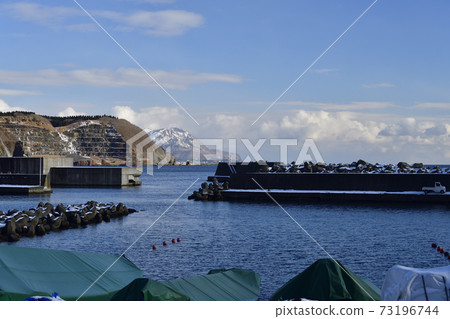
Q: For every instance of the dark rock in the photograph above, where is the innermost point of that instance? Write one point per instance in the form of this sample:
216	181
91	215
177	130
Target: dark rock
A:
12	212
65	224
403	165
56	224
106	218
293	168
89	217
91	205
33	221
119	208
49	207
22	221
418	165
47	228
361	162
13	237
60	208
307	167
317	169
76	220
31	231
40	230
30	212
10	227
47	218
98	218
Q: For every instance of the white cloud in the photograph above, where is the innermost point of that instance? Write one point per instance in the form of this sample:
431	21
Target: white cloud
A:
4	107
40	14
152	117
436	130
161	23
122	77
378	85
341	136
432	105
7	92
69	111
353	106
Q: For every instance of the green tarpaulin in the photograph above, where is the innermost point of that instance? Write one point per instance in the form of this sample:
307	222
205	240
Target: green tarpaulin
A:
325	280
26	272
149	290
223	285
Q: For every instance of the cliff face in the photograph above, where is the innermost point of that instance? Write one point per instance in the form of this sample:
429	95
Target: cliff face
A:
99	139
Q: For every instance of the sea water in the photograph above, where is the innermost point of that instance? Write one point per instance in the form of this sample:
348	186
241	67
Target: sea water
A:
366	238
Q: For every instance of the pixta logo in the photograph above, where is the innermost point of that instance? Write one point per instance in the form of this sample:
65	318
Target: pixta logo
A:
308	153
141	151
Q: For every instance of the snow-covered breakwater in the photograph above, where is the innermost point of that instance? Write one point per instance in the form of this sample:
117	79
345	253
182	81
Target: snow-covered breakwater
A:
45	218
360	166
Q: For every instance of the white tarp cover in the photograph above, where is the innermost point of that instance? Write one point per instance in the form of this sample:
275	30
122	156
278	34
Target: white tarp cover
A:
406	283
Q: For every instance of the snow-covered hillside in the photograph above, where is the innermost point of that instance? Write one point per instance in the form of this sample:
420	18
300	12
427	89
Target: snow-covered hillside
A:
181	144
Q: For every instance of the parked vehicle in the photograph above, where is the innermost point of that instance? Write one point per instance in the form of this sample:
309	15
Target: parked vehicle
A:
438	188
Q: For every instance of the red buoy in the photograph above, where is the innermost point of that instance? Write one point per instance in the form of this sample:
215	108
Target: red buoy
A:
164	243
438	248
178	239
442	250
173	241
154	247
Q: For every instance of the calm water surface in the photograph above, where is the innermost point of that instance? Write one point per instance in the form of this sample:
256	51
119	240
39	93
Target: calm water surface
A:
367	238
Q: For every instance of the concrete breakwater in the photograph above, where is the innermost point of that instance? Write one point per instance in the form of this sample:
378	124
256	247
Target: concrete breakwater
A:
358	181
46	218
358	167
209	192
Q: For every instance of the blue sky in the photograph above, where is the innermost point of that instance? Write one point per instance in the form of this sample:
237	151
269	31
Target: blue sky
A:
380	93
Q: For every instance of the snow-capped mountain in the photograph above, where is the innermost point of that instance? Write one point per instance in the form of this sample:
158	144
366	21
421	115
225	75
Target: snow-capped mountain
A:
181	145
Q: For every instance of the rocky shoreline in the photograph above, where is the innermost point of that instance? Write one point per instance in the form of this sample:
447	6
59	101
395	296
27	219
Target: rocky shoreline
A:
46	218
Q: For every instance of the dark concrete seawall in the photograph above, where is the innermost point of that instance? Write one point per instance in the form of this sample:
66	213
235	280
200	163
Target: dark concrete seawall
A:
334	196
21	165
33	175
94	176
338	181
22	179
244	182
